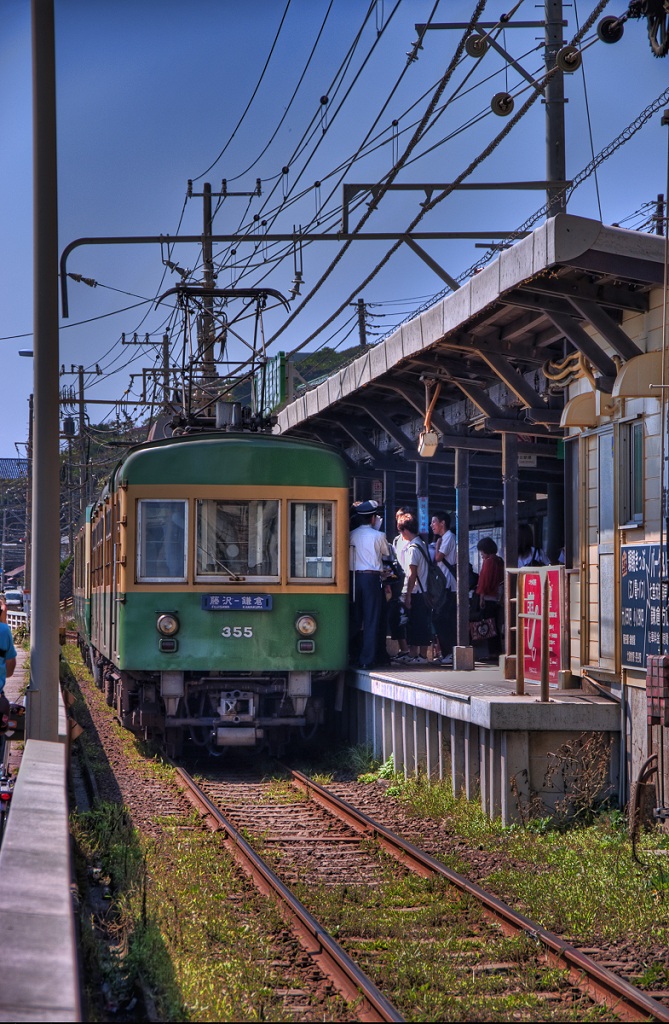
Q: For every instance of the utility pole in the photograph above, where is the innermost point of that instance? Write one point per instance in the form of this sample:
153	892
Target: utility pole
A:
42	695
208	279
362	323
84	484
659	215
166	371
555	131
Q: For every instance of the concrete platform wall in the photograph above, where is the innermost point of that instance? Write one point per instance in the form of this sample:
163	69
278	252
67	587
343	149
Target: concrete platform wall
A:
506	769
40	978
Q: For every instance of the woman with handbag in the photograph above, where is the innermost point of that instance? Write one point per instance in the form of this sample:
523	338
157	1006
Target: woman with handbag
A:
489	589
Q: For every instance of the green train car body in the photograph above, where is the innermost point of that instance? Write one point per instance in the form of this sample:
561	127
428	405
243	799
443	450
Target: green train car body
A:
211	587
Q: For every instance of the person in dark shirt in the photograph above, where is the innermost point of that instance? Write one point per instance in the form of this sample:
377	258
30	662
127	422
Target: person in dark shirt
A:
490	589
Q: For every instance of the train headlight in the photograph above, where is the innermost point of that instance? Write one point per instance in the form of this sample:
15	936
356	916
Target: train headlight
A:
167	624
306	625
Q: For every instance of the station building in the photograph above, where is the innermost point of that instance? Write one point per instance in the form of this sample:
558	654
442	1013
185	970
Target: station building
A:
541	386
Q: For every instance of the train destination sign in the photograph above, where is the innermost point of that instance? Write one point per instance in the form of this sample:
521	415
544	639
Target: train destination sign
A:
237	602
643	603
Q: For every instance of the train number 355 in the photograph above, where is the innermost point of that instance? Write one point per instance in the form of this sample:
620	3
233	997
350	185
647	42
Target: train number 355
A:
237	631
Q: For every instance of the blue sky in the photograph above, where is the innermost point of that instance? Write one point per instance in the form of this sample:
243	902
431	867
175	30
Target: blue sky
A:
149	92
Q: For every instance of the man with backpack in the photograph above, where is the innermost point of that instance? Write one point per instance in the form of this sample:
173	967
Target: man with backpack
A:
414	558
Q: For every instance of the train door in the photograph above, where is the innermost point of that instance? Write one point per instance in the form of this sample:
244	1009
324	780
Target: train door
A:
600	599
107	581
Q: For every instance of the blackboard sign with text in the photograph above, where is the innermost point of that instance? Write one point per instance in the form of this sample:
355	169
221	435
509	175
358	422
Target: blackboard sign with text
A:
643	604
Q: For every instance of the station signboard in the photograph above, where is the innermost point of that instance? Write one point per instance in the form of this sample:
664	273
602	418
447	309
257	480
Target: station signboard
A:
643	604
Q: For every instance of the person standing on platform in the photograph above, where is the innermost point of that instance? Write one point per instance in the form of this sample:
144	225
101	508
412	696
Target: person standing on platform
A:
413	557
528	554
490	589
446	557
369	550
7	661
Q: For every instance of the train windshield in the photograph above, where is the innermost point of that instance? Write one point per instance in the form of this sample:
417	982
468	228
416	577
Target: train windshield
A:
238	538
311	532
161	551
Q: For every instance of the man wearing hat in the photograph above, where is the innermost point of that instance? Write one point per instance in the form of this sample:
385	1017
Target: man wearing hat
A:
369	548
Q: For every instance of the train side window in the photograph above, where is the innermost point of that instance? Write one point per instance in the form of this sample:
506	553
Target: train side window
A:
311	540
237	538
631	472
161	540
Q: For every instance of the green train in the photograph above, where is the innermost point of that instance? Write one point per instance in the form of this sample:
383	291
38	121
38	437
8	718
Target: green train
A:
211	589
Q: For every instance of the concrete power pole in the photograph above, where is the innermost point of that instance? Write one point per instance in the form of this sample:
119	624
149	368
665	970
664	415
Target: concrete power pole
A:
29	495
208	333
556	168
42	695
84	483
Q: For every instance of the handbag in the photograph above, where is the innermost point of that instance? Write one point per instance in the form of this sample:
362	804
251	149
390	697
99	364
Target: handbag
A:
484	629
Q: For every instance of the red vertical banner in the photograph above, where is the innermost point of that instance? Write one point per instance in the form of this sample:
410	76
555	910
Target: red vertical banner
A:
532	602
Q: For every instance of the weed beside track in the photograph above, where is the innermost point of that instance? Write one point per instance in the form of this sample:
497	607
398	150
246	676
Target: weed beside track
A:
430	949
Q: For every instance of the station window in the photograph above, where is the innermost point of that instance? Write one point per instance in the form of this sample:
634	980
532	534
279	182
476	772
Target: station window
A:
238	538
161	547
631	472
311	540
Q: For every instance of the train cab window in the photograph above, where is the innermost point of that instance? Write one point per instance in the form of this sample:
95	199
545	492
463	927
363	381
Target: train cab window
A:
311	540
161	548
237	538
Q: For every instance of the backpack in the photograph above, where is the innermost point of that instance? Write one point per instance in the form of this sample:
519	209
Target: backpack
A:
436	590
536	559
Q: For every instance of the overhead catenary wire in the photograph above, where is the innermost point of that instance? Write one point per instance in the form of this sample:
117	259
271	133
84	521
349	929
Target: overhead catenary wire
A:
362	149
253	96
432	203
384	186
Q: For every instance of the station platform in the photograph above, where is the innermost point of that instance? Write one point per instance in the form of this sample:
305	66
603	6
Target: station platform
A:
496	746
40	974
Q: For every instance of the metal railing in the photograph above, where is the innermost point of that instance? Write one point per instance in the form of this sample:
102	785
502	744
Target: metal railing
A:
16	620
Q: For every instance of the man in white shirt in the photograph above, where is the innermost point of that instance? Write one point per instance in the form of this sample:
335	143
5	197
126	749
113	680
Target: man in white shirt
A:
446	554
369	548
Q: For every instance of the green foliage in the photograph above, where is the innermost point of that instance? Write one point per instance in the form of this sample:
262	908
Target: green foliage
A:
433	953
574	878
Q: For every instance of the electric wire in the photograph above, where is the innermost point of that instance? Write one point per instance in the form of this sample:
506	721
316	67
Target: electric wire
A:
432	203
253	96
332	91
387	180
284	252
290	101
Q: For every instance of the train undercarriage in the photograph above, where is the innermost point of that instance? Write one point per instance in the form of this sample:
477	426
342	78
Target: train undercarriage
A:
217	711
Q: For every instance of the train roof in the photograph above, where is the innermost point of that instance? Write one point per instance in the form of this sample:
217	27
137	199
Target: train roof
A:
243	459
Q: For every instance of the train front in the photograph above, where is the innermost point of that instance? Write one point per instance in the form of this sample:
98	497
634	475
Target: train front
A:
229	621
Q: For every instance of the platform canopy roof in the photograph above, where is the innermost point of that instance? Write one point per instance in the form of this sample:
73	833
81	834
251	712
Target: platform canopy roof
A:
496	350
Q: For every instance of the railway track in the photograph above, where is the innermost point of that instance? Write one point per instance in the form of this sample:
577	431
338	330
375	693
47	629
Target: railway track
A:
352	983
320	839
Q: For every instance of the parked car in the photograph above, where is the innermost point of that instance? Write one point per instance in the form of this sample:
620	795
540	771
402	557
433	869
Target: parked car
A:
14	599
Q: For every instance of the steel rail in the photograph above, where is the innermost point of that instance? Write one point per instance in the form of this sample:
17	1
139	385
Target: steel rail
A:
352	983
602	985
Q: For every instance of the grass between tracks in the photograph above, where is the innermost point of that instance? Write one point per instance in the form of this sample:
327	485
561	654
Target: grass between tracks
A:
578	878
166	919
